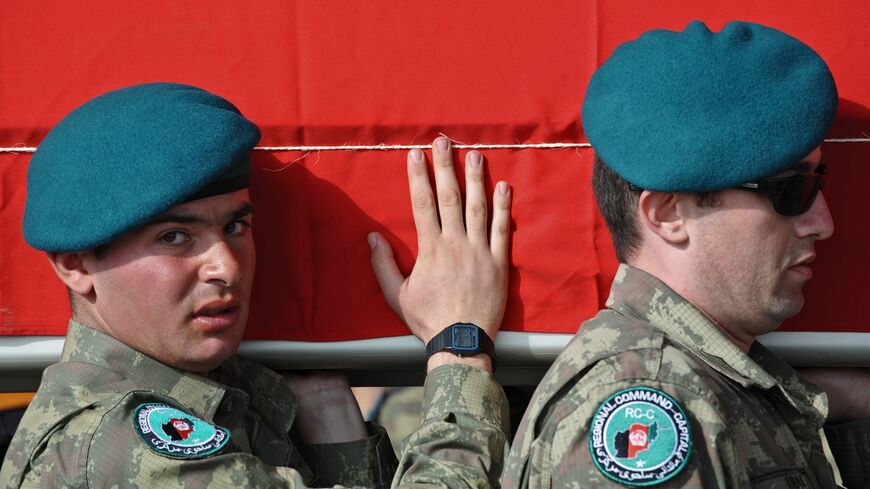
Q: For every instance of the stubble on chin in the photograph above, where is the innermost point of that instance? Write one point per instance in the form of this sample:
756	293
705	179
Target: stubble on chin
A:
775	302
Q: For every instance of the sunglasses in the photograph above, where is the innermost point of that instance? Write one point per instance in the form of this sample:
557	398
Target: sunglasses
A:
791	196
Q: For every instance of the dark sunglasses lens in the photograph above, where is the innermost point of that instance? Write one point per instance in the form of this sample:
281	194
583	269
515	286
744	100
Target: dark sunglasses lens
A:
795	195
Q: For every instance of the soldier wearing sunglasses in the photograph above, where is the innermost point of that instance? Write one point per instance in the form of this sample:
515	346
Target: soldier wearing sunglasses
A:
709	173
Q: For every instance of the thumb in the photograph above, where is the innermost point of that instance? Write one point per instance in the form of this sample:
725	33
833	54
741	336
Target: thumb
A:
386	271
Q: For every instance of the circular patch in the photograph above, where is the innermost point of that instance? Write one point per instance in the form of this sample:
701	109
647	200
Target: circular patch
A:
177	434
640	436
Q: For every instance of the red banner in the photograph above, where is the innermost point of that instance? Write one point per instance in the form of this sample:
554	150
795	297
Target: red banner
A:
333	74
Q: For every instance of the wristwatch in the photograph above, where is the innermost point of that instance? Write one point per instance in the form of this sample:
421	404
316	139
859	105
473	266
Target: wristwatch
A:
462	339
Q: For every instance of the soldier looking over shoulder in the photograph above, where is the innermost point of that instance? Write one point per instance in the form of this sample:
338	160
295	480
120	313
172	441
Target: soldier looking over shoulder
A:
709	173
139	198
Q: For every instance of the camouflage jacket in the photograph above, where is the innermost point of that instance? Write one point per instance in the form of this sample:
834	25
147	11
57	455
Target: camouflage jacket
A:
650	392
79	431
462	438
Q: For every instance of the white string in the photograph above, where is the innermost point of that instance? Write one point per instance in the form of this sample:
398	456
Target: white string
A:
396	147
399	147
848	140
18	149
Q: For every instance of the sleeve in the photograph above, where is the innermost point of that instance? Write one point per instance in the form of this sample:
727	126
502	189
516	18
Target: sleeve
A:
370	462
460	443
850	445
462	438
586	437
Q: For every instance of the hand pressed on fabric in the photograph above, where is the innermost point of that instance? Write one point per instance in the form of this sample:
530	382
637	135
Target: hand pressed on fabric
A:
462	265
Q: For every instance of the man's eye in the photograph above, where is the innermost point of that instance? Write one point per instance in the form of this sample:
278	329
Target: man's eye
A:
236	227
173	238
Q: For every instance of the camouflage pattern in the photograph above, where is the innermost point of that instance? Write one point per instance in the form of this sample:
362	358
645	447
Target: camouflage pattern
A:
850	444
755	423
462	439
399	414
78	431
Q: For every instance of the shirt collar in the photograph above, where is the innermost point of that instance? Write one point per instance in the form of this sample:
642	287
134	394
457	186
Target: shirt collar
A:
232	385
802	394
199	394
639	294
268	393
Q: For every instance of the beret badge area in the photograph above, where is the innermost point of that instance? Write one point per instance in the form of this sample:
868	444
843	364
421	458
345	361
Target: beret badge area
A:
640	436
125	157
698	111
173	433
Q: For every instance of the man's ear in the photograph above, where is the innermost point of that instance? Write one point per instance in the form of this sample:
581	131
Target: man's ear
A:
660	213
71	269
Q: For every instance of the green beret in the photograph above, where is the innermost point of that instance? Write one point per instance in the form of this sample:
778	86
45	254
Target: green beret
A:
698	111
125	157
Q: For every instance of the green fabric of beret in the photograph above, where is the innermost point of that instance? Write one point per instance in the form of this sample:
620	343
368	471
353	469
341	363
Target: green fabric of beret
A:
123	158
701	111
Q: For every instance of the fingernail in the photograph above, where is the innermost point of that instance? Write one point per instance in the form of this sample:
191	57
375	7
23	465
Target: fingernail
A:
373	241
416	155
503	188
443	144
474	158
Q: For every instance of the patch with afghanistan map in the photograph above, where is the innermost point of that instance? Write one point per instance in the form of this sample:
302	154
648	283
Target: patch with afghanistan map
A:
640	436
177	434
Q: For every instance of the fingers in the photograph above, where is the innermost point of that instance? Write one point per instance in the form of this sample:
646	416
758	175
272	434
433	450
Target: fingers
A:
386	271
475	199
501	222
422	199
449	197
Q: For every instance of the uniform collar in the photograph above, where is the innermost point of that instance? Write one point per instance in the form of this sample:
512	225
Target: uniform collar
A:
802	394
200	395
265	389
639	294
229	388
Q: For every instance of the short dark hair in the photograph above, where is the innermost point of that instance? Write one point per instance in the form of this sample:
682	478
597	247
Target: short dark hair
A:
101	251
618	204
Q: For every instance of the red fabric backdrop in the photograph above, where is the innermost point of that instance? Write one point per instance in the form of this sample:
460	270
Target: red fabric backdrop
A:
365	73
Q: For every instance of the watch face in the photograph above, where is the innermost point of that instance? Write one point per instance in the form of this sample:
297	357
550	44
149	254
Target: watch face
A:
465	337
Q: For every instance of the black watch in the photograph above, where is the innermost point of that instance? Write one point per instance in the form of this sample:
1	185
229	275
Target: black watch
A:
463	339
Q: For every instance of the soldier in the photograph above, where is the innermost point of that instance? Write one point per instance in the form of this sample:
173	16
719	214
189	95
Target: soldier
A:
708	173
140	200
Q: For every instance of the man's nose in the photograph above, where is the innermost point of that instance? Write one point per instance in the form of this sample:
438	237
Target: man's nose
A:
220	264
817	221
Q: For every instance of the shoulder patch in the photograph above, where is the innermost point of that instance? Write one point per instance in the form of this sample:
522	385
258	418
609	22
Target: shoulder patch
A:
174	433
640	436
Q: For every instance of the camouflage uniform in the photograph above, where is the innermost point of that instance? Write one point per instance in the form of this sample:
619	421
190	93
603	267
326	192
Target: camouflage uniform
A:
399	413
462	438
754	422
79	430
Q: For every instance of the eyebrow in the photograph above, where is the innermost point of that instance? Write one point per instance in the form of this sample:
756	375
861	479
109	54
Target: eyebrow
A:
180	218
244	211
